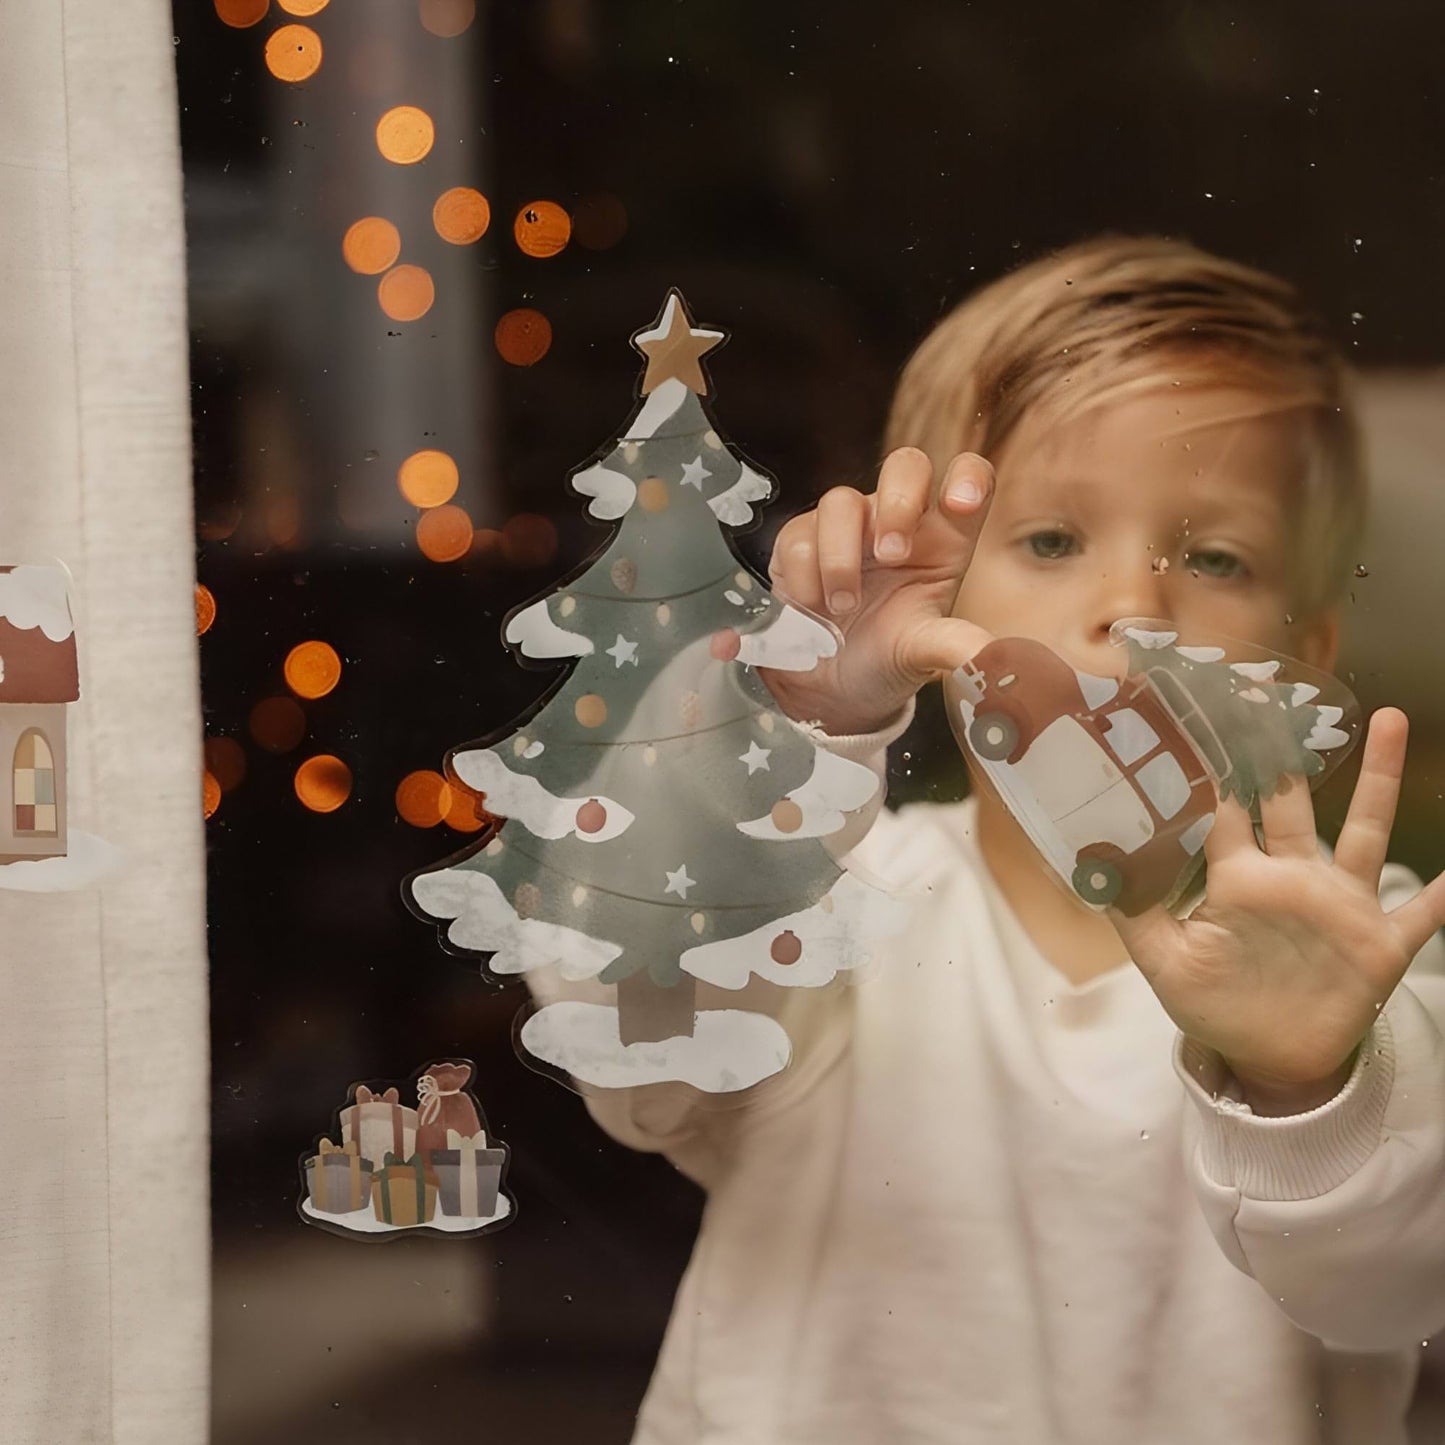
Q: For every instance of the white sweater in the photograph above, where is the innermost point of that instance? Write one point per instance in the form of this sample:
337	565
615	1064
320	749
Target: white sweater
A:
987	1205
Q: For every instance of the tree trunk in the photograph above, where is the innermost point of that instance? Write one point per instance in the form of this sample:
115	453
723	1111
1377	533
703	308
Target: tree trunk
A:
648	1013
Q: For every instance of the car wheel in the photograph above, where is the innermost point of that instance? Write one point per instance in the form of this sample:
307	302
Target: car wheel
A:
993	735
1098	881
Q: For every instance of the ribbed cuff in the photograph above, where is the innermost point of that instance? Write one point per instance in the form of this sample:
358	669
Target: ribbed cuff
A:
858	747
1299	1156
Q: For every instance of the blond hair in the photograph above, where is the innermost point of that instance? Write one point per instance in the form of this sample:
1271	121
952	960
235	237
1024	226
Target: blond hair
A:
1119	315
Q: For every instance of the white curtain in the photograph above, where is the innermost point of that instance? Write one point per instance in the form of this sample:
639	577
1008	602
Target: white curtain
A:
103	1051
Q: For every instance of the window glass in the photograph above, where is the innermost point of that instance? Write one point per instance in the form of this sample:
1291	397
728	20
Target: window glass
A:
420	236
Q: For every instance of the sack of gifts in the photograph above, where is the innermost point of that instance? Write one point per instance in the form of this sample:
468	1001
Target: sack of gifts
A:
469	1175
443	1108
379	1124
338	1179
404	1193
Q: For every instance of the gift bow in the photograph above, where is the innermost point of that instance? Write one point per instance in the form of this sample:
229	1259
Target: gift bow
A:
430	1097
350	1147
463	1141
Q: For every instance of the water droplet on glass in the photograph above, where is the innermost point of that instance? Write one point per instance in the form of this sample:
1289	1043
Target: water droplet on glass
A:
1160	564
1144	1134
1361	570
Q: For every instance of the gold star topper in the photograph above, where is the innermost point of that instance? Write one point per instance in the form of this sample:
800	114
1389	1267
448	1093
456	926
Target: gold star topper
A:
674	347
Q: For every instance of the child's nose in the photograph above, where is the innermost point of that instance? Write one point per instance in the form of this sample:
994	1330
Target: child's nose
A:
1132	586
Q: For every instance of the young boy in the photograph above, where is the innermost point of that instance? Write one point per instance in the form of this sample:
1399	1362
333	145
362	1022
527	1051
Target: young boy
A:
1047	1175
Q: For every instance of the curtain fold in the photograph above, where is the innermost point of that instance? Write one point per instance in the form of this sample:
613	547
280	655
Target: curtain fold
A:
104	1227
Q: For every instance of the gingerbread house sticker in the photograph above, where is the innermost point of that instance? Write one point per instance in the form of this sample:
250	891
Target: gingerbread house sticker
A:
38	679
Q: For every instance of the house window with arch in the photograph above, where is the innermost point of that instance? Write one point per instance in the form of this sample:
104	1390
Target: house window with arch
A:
35	810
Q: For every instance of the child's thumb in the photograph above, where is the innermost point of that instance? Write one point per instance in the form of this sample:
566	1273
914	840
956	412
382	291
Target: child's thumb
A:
937	645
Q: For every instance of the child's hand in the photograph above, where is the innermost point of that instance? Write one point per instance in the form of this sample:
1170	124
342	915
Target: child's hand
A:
1284	965
892	604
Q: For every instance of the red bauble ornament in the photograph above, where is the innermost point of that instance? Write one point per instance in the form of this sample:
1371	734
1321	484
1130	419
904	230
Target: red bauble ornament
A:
726	644
591	816
787	947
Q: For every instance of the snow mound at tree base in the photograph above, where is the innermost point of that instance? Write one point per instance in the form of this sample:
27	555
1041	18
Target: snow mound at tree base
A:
364	1221
730	1050
88	860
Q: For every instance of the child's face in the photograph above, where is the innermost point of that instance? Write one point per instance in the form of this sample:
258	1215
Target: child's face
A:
1177	504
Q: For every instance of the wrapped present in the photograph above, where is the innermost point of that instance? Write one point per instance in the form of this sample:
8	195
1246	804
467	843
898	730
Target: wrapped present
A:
380	1125
469	1175
338	1179
443	1108
404	1193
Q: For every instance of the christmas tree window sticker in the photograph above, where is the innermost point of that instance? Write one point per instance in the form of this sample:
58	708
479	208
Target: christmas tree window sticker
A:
432	1169
1116	780
666	833
39	678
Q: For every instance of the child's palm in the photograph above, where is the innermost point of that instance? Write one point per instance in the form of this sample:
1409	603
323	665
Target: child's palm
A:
1287	961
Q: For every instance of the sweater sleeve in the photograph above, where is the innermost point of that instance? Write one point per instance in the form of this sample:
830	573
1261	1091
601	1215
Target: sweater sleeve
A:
687	1125
1339	1213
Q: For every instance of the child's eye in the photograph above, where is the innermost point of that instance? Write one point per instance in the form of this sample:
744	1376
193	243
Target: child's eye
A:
1051	545
1211	562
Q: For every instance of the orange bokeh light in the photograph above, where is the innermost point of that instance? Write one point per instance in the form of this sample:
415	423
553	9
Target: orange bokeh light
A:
225	761
428	478
278	724
323	783
303	7
210	795
406	293
465	813
542	228
523	336
529	540
448	18
371	245
444	534
219	524
423	799
293	53
312	669
487	542
461	215
205	609
599	222
242	14
405	135
283	518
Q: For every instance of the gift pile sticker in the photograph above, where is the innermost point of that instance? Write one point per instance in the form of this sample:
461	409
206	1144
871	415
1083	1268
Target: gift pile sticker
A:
401	1169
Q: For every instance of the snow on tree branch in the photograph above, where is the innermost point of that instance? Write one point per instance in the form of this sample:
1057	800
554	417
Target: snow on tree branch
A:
819	807
542	813
484	922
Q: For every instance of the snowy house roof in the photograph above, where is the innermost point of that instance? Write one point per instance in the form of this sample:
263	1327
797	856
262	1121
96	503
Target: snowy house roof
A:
37	637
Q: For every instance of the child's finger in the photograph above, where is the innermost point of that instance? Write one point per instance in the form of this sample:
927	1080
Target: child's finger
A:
794	563
938	645
842	517
1365	837
1233	830
1421	917
967	489
1288	819
904	486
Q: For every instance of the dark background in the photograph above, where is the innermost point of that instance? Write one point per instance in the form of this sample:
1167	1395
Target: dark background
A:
821	181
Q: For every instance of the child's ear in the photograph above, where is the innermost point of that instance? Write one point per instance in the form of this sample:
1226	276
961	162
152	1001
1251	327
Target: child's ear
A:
1319	642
